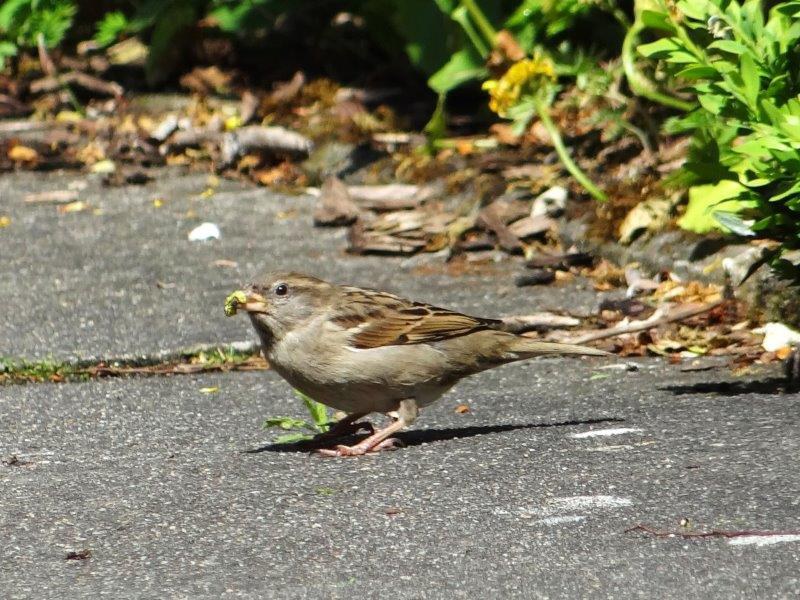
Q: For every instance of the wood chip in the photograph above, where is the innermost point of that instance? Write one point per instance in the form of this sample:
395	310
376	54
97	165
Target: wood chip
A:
52	197
335	206
83	80
287	91
165	128
560	262
363	241
248	106
492	219
395	196
276	139
23	126
528	227
537	277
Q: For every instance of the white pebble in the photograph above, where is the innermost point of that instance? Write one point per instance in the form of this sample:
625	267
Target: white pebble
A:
205	232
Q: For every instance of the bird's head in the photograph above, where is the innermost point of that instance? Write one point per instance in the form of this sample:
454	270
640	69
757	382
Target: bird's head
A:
278	302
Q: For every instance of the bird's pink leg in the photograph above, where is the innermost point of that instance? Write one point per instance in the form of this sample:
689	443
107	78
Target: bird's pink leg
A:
380	440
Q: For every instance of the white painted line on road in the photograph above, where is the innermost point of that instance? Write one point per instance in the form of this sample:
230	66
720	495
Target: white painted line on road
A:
605	432
579	503
763	540
561	519
562	510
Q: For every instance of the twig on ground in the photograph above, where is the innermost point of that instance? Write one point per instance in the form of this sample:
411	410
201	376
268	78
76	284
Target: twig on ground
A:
723	533
660	317
543	321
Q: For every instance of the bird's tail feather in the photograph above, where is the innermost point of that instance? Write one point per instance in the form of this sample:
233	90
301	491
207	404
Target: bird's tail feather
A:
528	348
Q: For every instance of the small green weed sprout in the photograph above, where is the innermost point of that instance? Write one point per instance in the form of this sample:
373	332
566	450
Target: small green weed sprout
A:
301	429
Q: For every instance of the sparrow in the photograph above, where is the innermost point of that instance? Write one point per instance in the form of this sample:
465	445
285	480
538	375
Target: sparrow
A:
363	351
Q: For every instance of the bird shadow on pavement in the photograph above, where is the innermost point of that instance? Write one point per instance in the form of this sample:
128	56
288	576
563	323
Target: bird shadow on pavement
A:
770	385
426	436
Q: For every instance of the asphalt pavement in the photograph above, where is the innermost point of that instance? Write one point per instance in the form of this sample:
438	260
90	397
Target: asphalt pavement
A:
168	487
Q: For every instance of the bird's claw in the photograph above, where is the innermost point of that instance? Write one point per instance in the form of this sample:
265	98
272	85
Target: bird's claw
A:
359	449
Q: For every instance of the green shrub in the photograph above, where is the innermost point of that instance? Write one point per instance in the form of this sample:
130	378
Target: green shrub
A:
743	65
23	21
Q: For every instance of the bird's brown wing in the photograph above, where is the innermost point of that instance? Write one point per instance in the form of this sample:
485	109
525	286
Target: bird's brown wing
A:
380	319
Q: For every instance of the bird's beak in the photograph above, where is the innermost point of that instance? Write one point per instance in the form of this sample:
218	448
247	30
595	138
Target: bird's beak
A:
255	303
247	301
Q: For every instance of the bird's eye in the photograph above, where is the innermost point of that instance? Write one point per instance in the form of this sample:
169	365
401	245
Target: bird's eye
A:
281	289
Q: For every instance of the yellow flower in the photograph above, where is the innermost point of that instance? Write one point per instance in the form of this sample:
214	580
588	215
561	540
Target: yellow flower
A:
524	76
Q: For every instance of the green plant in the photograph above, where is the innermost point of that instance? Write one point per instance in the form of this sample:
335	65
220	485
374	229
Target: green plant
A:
452	40
24	22
743	65
14	371
320	422
527	90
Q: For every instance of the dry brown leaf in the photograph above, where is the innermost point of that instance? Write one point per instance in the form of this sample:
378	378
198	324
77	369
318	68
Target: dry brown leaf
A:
284	174
207	79
506	43
493	218
651	216
21	153
287	91
504	134
72	207
248	162
606	276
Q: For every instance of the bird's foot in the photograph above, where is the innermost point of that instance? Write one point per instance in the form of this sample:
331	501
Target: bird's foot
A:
360	449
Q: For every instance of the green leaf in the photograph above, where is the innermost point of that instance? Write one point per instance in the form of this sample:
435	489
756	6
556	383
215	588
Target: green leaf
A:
733	223
291	438
693	9
110	28
728	46
286	423
425	31
705	199
7	48
12	14
465	65
436	127
794	189
662	48
697	72
521	115
447	6
657	20
713	103
750	79
462	17
318	412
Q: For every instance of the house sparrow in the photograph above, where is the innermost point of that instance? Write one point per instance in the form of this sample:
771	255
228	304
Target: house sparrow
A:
362	351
